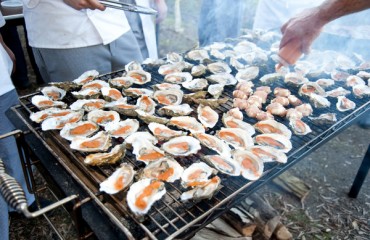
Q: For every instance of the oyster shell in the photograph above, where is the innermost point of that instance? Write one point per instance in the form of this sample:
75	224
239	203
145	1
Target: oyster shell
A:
305	109
121	82
187	123
66	86
166	86
48	113
143	194
325	118
54	93
167	170
98	159
213	103
299	127
207	116
202	192
196	174
178	77
86	77
344	104
148	118
43	102
102	118
173	57
363	74
354	80
338	75
361	91
231	122
222	78
198	70
197	55
133	66
87	93
251	166
146	152
164	133
196	84
87	105
319	101
216	90
146	104
182	146
272	126
270	78
122	129
311	88
111	94
119	180
175	110
78	129
137	92
171	68
61	121
268	154
226	165
97	143
218	67
295	79
325	82
141	136
236	137
169	97
338	92
247	74
274	140
214	143
98	84
140	77
189	98
217	54
123	108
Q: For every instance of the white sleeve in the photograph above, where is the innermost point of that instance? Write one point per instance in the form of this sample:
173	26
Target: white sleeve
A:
30	3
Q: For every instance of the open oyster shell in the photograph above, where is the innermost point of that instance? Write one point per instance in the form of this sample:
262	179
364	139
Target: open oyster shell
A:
166	169
139	77
251	165
98	84
272	126
226	165
99	159
148	118
78	129
231	122
111	94
195	85
133	66
207	116
102	118
119	180
60	122
182	146
121	82
214	143
97	143
236	137
123	108
43	102
122	129
87	93
299	127
162	132
146	104
86	77
54	93
268	154
196	174
175	110
345	104
247	74
87	105
169	97
274	140
48	113
204	191
187	123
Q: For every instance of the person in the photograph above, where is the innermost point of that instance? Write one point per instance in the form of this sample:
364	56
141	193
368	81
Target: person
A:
69	37
8	146
300	31
220	19
143	27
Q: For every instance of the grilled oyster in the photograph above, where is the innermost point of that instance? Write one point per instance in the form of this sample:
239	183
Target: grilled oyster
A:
222	78
247	74
146	104
111	94
175	110
361	91
268	154
173	57
299	127
213	103
311	88
295	79
139	77
196	84
187	123
218	67
274	140
272	126
231	122
141	136
178	77
171	68
305	109
148	118
235	113
123	108
354	80
276	109
197	55
270	78
54	93
87	93
344	104
137	92
223	164
87	105
86	77
338	75
122	129
196	174
164	133
133	66
338	92
251	166
207	116
119	180
216	90
236	137
66	86
60	122
189	98
166	86
98	84
143	194
169	97
363	74
102	118
121	82
78	129
198	70
325	82
98	159
97	143
48	113
167	170
43	102
319	101
325	118
204	191
217	54
146	152
182	146
214	143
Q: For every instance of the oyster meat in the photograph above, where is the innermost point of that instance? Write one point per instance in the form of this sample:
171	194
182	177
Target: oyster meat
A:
207	116
274	140
137	92
305	109
87	93
97	159
169	97
178	77
299	127
345	104
43	102
231	122
236	137
122	129
235	113
123	108
205	191
86	77
222	78
164	133
182	146
146	104
139	77
187	123
226	165
133	66
311	88
196	84
196	174
61	121
119	180
98	84
87	105
272	126
251	166
97	143
166	169
146	152
78	129
214	143
175	110
218	67
54	93
268	154
102	118
121	82
48	113
111	94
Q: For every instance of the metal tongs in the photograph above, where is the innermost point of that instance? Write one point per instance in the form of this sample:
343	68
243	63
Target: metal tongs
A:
128	7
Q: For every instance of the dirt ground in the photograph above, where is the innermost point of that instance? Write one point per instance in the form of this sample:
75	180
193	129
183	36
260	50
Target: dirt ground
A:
326	213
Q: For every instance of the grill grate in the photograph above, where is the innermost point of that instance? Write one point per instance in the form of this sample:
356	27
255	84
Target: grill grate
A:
169	217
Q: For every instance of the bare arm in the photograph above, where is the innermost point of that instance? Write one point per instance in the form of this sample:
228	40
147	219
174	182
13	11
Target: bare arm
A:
10	53
162	10
83	4
300	31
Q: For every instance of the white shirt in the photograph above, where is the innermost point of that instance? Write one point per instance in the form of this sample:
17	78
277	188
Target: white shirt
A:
54	24
6	66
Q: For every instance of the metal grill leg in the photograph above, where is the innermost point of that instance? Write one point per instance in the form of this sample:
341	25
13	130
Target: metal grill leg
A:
361	175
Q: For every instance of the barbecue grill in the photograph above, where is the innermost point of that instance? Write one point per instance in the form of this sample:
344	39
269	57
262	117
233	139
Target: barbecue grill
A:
169	217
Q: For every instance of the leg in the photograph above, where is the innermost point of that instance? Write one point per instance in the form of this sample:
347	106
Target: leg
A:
361	175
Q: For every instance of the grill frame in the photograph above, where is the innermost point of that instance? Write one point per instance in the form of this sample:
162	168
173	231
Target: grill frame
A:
240	189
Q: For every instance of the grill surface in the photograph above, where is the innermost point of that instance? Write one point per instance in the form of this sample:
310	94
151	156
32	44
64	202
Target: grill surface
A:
170	218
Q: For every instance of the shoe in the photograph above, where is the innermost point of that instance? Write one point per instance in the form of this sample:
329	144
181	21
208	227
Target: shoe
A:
43	203
364	121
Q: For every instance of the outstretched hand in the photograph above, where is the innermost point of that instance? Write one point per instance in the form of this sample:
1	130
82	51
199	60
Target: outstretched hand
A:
161	7
83	4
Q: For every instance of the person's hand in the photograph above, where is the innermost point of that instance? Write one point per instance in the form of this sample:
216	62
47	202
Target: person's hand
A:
161	7
298	34
9	52
83	4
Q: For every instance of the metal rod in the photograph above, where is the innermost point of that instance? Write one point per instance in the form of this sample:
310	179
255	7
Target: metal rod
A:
361	175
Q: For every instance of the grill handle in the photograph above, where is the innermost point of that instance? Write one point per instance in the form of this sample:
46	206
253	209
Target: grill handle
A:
15	197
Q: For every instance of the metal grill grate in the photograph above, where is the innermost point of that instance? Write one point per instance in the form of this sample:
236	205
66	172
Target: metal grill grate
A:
169	217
